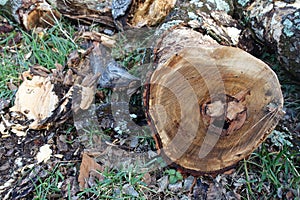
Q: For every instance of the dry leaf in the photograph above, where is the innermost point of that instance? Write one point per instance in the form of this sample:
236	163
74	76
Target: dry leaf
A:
4	103
44	154
87	166
69	78
147	178
11	86
38	70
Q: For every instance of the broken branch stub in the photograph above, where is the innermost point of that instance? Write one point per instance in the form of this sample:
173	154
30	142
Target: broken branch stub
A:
209	105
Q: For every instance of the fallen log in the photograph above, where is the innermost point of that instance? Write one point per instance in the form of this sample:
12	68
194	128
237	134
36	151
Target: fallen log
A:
274	23
277	25
110	14
208	105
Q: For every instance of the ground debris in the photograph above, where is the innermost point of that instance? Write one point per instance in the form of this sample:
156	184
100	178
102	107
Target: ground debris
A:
215	191
129	190
52	92
44	154
26	185
4	103
70	187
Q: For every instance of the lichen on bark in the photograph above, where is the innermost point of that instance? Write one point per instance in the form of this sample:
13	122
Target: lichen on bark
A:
289	50
277	24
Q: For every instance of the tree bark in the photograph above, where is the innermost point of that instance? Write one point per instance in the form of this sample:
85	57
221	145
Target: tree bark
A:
209	105
260	25
274	23
88	12
277	24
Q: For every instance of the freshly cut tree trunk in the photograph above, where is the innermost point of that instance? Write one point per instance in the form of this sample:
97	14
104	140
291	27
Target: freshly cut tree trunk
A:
209	106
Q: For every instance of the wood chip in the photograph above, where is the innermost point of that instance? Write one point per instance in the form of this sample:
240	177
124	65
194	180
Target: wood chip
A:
44	154
35	99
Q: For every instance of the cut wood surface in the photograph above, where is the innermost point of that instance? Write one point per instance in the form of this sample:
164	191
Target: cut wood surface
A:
209	105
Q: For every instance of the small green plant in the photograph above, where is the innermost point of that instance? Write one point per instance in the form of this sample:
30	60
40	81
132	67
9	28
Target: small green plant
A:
174	176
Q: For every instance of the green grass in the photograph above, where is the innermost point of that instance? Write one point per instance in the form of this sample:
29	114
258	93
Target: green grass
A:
49	186
44	48
9	65
271	174
48	49
113	184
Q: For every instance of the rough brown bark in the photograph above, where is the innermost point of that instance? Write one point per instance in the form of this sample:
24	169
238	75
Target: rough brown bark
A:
111	14
89	12
273	25
133	13
209	17
209	105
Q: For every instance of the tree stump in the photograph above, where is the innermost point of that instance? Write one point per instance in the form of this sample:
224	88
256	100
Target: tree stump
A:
209	106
